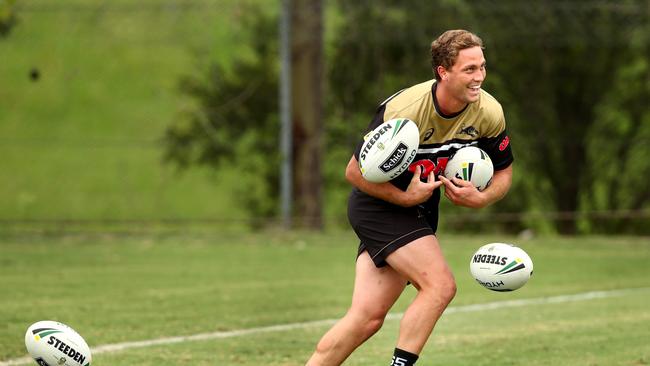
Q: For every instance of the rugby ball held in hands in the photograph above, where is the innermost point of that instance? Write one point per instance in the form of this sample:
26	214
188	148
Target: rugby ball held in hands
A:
388	150
501	267
472	164
52	343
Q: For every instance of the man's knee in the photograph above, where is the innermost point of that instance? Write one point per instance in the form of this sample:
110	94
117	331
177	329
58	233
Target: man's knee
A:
360	324
373	325
448	290
442	289
370	321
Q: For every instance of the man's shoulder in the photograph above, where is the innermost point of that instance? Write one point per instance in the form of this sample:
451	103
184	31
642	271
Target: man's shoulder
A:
489	105
413	102
487	115
417	91
410	94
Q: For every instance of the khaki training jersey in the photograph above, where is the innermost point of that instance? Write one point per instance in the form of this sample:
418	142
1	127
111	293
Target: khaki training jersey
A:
481	124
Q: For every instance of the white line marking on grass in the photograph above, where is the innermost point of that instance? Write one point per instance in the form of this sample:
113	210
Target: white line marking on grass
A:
116	347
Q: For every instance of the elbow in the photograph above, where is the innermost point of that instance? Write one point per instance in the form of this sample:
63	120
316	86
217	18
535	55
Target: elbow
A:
349	174
508	178
352	172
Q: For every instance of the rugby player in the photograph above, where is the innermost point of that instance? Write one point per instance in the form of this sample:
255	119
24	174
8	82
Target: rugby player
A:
397	221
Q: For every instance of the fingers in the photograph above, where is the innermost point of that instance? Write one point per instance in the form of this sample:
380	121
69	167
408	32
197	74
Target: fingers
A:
450	188
432	179
461	192
417	173
455	183
460	182
448	184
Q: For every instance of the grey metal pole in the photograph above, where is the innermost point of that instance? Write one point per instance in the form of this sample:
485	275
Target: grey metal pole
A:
285	114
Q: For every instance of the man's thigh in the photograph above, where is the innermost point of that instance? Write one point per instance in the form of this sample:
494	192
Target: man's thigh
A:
375	289
421	262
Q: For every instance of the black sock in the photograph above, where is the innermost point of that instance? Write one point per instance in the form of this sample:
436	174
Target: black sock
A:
403	358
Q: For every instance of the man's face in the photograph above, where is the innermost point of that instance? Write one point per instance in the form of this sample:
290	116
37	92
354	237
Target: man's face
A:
465	77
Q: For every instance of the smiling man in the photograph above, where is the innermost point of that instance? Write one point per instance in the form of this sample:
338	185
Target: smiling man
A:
396	221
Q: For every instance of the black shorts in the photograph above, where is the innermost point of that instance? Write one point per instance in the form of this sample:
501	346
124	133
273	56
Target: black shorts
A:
383	227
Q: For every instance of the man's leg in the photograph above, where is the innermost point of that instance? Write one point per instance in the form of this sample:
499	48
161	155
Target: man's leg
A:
375	292
423	263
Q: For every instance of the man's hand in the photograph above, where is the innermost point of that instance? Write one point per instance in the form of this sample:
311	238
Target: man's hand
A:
463	193
418	191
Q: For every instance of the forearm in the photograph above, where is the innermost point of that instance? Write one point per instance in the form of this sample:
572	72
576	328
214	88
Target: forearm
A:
499	187
384	191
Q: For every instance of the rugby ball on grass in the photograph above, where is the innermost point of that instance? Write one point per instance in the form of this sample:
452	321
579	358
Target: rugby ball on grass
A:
388	150
472	164
501	267
52	343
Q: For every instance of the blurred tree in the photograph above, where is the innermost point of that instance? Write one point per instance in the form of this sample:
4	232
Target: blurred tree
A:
564	58
551	63
618	148
232	120
236	122
573	78
7	16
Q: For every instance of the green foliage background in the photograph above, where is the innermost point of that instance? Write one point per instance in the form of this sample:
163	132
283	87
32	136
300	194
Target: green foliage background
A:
124	87
558	107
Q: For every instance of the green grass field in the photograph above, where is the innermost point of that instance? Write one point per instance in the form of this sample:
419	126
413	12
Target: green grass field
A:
120	288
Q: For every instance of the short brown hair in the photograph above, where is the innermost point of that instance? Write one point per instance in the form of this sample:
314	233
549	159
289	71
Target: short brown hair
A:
444	50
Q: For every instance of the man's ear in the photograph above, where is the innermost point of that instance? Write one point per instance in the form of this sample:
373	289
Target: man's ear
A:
442	72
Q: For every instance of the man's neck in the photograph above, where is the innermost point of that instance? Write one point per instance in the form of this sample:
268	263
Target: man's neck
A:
447	106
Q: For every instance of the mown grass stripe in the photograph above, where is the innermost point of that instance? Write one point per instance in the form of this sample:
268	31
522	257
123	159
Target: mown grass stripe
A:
116	347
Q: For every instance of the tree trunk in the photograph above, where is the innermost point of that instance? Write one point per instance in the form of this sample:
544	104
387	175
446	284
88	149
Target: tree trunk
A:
307	111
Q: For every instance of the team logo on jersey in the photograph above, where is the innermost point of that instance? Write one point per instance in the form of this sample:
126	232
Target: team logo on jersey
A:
469	131
429	166
504	143
428	134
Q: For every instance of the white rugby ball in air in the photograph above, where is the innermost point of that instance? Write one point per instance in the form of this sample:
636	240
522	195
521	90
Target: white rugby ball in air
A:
52	343
388	150
472	164
501	267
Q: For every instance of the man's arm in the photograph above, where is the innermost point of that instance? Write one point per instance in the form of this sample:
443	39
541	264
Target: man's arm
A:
463	193
417	191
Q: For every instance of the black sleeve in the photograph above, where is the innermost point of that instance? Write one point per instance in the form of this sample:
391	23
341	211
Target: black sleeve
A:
376	121
499	149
